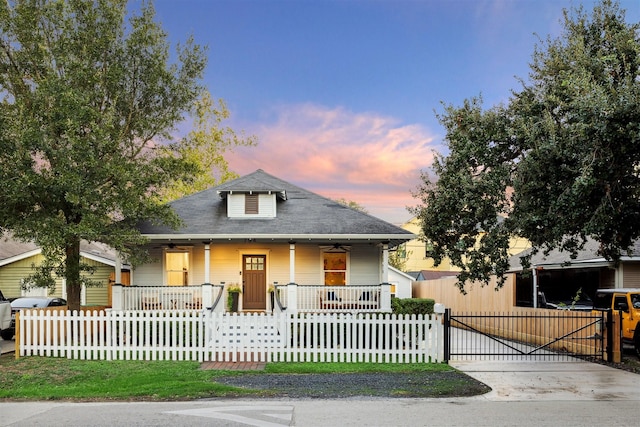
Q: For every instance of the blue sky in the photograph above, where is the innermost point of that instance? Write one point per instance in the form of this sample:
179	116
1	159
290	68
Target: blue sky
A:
342	94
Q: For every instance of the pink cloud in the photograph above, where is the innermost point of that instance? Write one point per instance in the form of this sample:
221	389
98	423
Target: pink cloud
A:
364	157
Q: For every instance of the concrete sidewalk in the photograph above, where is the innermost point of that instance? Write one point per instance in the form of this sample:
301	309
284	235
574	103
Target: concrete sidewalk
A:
557	381
7	346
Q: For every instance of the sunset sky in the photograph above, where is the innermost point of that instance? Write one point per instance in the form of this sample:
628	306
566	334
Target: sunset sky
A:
342	95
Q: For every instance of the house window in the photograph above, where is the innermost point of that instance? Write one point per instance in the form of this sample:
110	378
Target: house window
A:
251	205
177	267
335	268
428	249
401	251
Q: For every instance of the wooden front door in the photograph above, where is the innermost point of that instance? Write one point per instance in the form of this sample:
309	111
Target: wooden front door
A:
254	274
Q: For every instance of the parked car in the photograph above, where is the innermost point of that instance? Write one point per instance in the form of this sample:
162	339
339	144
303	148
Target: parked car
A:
583	304
627	301
30	302
5	318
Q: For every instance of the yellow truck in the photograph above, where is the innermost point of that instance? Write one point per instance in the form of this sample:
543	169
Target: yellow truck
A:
626	301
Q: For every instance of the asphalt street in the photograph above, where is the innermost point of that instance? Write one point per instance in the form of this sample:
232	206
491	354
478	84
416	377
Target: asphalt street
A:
523	394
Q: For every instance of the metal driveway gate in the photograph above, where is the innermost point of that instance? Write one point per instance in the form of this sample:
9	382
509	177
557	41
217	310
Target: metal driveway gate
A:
561	335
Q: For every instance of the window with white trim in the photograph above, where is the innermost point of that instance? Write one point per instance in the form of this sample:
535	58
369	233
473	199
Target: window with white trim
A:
177	266
334	266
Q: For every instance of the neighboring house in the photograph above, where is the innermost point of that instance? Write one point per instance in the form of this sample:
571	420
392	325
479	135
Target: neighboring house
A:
557	277
259	230
416	252
431	274
18	258
400	283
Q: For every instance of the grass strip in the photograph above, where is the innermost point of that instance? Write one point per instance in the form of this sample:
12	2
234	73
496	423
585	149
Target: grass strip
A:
48	378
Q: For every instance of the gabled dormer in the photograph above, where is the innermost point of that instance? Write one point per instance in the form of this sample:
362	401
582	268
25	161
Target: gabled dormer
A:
252	196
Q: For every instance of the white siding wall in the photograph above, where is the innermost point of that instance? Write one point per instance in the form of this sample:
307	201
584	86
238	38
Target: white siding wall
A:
308	265
150	274
226	264
631	272
365	265
197	266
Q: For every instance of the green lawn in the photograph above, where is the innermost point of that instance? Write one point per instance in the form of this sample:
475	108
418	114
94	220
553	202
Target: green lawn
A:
42	378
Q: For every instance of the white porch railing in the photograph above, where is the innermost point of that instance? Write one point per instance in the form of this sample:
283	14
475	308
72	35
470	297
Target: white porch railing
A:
292	298
335	299
166	297
209	336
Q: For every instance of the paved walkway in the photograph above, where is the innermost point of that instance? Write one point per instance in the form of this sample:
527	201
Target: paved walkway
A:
234	366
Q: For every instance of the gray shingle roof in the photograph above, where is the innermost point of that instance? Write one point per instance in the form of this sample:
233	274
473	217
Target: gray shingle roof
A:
11	247
303	213
589	254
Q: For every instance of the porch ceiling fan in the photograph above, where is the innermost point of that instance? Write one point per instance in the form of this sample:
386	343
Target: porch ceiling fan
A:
337	247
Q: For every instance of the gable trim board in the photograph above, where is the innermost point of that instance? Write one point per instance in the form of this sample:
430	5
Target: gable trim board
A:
20	257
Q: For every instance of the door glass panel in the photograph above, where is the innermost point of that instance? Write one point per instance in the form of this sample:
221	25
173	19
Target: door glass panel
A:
254	263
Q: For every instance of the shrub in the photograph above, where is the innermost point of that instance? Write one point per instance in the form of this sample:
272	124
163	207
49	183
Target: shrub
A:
412	305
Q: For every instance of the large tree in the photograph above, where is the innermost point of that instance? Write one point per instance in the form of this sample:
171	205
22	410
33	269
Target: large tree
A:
205	146
89	98
557	164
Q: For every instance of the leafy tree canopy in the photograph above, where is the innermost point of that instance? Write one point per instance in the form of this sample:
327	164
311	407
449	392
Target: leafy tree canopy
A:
205	147
89	98
556	165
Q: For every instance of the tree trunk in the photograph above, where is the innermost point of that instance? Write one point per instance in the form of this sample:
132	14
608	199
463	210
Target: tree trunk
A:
72	273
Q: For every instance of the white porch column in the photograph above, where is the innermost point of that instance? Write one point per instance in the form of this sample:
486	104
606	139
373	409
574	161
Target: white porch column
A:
292	262
207	296
535	287
618	275
118	268
385	297
292	298
384	273
117	297
207	262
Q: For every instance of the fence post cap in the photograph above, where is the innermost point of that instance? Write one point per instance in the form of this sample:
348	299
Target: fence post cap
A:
438	308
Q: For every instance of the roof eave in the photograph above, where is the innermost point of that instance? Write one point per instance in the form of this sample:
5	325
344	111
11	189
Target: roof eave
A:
284	237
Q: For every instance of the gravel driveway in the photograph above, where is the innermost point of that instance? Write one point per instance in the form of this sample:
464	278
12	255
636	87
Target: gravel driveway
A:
421	384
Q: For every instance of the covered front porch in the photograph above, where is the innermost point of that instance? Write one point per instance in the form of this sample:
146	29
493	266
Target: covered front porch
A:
290	298
314	276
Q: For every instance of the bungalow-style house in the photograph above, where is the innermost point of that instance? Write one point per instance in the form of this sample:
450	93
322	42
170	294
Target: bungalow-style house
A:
259	233
560	279
17	259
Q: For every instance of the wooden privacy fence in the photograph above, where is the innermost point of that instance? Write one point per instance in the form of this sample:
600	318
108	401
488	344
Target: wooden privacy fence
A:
207	336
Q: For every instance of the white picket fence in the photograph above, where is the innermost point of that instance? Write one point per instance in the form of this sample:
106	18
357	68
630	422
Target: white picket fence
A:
206	336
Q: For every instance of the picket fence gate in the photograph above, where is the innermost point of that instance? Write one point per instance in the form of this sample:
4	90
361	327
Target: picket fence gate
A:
206	336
